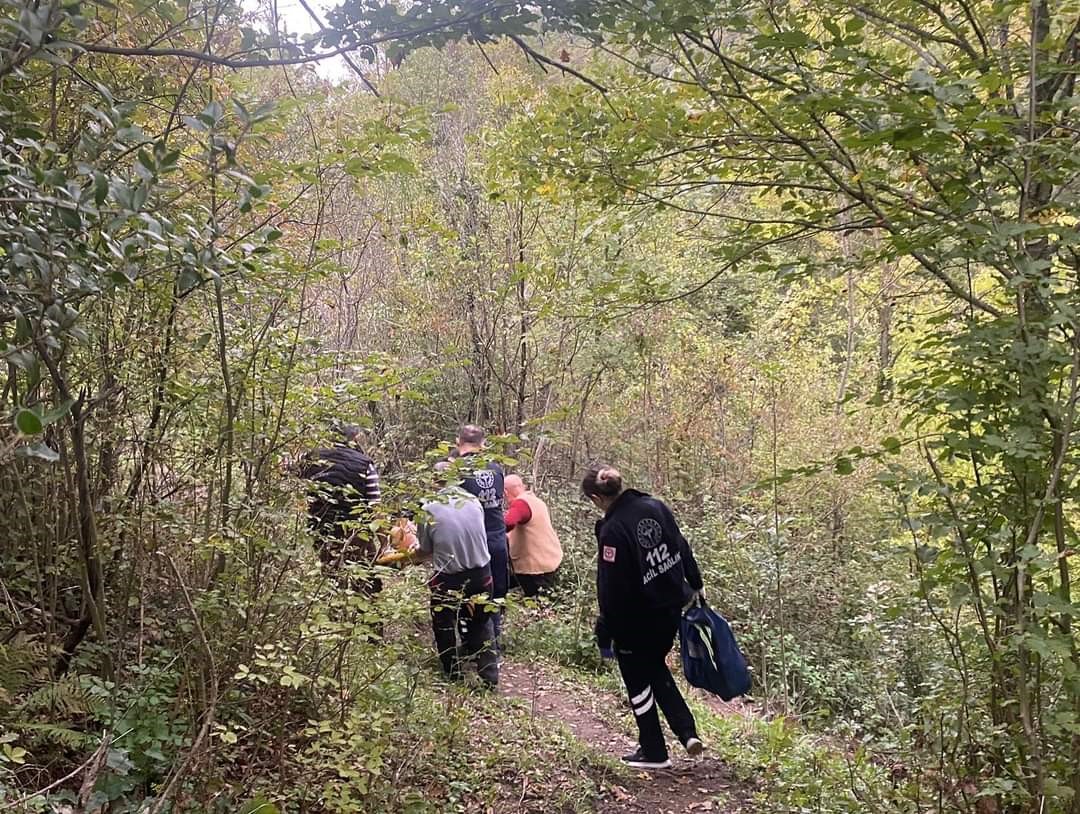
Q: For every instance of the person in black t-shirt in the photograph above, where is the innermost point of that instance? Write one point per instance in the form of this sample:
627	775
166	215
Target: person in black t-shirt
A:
486	482
645	575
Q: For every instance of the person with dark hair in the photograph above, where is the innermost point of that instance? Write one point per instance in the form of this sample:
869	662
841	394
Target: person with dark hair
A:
645	575
451	535
535	551
486	484
346	484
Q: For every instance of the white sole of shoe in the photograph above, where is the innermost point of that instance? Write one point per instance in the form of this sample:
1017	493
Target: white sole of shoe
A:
694	747
647	764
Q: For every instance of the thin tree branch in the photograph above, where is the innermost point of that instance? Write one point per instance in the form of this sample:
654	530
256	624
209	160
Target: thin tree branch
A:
543	61
232	62
348	59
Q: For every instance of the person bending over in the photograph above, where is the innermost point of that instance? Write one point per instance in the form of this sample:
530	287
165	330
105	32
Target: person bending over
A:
646	574
535	552
451	534
345	486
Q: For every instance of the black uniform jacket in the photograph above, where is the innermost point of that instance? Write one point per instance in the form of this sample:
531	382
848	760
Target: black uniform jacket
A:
485	481
645	569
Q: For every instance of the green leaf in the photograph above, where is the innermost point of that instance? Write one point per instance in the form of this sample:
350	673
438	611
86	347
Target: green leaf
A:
357	166
28	422
101	188
70	217
189	279
921	80
843	466
397	164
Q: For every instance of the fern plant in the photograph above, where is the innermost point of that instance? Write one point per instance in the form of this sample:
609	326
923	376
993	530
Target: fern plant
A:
36	710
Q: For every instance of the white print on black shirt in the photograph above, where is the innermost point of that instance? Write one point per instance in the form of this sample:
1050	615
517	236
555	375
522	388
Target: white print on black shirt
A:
485	480
649	533
657	555
663	564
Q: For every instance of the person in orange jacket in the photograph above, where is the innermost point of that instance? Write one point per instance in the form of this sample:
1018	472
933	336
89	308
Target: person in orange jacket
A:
535	551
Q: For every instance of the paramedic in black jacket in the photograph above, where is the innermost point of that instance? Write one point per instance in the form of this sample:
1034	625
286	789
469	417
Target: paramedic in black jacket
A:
486	483
645	575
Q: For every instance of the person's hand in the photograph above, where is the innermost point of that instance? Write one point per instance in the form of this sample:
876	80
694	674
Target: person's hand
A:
696	598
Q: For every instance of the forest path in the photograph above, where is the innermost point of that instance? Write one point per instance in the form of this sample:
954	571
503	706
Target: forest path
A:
691	785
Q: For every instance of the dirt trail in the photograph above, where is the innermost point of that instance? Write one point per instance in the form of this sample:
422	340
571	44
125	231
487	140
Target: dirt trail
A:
701	785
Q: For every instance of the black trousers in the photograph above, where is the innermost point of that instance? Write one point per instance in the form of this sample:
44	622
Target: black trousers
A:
649	684
535	584
500	564
499	549
463	629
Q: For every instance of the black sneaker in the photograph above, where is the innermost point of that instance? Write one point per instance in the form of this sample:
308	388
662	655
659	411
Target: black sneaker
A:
639	760
694	747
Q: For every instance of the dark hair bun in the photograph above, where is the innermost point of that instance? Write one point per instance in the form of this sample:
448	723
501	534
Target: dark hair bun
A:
608	474
605	481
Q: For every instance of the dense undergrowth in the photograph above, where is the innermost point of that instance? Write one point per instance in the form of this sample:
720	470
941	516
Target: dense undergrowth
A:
316	699
310	710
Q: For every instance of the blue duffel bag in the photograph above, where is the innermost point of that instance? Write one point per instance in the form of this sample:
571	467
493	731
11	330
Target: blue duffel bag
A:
710	655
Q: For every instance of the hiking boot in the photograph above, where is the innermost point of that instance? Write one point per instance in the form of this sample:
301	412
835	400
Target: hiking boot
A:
694	747
639	760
